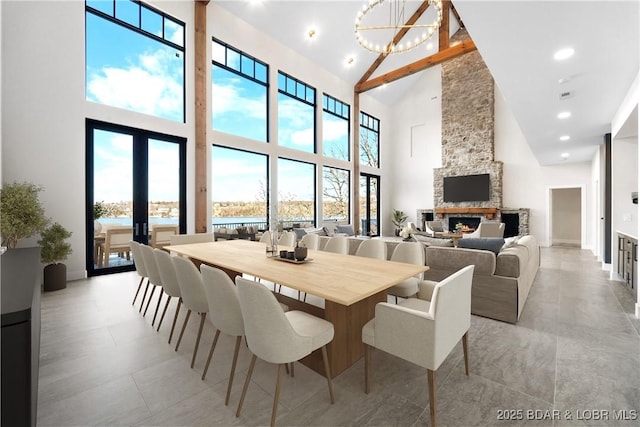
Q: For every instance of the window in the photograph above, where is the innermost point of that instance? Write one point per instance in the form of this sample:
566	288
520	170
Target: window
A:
369	140
296	192
335	193
335	128
296	114
135	58
239	88
239	186
369	205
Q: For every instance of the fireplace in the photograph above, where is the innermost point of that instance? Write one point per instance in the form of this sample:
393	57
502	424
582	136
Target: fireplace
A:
471	222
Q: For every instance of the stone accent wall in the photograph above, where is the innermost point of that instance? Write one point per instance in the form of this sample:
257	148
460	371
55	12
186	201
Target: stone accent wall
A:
523	217
467	126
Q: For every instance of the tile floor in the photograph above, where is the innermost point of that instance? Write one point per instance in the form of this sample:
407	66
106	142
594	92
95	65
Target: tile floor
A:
575	350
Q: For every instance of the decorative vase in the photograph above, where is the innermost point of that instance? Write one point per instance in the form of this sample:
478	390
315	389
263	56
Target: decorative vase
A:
397	232
300	253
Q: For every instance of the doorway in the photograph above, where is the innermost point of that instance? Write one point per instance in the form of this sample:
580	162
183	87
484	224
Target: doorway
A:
566	218
369	205
135	179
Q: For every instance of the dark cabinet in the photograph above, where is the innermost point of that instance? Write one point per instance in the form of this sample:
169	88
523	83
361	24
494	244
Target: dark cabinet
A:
628	262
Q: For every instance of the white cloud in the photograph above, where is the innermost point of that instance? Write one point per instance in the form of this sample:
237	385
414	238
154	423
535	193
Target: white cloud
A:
153	85
334	129
230	98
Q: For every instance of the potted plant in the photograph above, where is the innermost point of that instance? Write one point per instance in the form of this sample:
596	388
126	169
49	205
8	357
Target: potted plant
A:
398	218
55	249
21	214
100	209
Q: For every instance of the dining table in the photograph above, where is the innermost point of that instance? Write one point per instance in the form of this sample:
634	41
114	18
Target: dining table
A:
350	286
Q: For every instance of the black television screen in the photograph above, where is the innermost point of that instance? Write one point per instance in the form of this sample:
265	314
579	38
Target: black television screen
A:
467	188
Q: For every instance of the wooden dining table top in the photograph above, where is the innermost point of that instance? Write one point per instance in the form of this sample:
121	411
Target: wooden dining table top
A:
343	279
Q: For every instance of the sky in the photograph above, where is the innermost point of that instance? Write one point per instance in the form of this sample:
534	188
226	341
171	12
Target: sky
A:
131	71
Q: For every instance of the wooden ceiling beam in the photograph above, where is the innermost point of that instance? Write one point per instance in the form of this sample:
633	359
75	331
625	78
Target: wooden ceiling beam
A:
457	16
443	32
422	64
396	39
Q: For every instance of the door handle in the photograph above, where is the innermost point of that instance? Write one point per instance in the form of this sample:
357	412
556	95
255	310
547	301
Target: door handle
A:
144	228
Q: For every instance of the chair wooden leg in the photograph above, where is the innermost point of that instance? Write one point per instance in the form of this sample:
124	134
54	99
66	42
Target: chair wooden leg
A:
276	396
184	325
233	369
367	368
164	312
465	349
144	296
213	347
155	314
149	301
138	291
175	318
327	371
293	372
431	376
246	384
195	350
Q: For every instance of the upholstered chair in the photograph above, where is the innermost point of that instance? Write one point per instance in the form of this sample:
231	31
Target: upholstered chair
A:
311	241
169	284
161	234
487	229
193	296
154	278
278	337
423	332
338	245
138	261
372	248
224	313
410	253
433	228
288	238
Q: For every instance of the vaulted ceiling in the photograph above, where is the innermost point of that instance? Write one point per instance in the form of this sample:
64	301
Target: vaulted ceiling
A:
517	40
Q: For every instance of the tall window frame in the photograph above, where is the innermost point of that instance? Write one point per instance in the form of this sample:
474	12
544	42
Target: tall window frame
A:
229	59
334	108
292	88
369	126
265	189
142	19
285	198
336	189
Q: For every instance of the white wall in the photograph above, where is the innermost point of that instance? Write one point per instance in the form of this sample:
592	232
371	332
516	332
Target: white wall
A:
416	149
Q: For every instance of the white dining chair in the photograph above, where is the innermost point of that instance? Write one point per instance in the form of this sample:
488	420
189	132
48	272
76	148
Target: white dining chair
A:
278	337
288	238
193	297
338	245
169	284
423	332
311	241
372	248
154	278
410	253
138	261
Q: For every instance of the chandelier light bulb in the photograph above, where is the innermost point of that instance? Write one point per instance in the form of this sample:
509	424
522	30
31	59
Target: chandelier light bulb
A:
428	28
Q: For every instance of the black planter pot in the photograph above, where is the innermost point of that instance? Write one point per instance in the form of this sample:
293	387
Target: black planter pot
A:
55	277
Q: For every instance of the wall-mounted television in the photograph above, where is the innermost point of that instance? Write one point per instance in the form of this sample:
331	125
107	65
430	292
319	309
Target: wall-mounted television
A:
466	188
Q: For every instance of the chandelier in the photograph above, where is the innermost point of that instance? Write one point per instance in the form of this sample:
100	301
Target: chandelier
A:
396	23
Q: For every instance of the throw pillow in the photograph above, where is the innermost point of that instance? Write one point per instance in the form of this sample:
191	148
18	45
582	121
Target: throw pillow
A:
433	241
510	241
299	232
347	229
493	244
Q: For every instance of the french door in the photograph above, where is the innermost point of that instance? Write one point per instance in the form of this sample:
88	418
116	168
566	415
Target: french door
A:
135	179
369	204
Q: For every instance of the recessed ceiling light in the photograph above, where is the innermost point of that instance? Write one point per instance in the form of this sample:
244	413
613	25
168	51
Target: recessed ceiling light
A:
564	155
563	54
564	115
565	138
350	61
312	33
